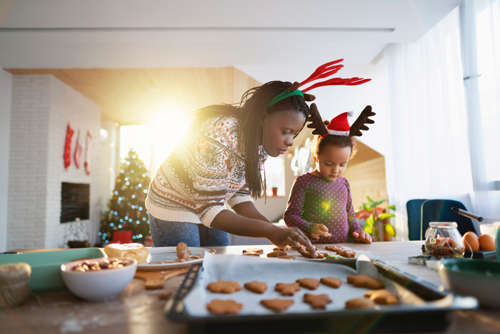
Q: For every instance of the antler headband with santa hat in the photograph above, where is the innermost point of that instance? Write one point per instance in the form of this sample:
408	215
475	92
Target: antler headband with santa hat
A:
339	125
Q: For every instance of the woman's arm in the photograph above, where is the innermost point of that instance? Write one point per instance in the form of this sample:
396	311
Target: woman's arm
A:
248	209
233	223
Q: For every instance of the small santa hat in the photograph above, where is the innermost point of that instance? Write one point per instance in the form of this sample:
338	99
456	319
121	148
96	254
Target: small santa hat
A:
339	126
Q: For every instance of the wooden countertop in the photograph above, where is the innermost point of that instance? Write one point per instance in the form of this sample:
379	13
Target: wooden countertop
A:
137	310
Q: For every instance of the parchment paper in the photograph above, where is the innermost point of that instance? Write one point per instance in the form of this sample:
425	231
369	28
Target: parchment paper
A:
245	269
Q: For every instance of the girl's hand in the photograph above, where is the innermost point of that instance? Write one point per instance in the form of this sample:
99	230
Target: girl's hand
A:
362	237
292	236
319	230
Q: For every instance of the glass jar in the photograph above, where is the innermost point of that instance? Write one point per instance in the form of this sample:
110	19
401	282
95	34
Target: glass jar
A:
442	239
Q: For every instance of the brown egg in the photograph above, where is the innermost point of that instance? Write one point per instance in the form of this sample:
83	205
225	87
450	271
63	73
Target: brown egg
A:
470	241
486	242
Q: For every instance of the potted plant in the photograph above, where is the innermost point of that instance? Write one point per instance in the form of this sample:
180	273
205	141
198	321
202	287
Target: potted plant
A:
377	219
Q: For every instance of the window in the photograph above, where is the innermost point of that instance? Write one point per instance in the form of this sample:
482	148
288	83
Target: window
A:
488	65
274	171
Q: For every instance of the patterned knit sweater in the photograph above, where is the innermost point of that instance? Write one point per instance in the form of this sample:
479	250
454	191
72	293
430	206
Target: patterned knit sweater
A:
204	171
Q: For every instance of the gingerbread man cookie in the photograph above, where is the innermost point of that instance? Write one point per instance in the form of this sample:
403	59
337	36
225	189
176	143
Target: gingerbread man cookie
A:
277	254
253	250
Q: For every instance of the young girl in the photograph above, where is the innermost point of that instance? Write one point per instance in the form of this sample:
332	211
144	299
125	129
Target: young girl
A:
219	162
320	202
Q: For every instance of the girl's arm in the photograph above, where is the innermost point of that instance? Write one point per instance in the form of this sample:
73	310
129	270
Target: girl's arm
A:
248	209
233	223
293	212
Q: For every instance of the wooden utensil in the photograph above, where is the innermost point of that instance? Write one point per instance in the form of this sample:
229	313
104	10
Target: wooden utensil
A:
155	279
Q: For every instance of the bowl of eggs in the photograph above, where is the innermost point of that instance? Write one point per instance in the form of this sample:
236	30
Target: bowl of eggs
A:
98	279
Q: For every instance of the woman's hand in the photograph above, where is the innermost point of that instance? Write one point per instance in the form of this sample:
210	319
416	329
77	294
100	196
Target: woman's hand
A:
292	236
319	230
362	237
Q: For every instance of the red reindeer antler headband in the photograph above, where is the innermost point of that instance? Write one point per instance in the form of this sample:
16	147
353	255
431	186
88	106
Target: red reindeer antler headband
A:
321	72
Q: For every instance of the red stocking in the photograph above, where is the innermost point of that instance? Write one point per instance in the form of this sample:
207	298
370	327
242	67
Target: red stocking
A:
87	153
67	147
78	152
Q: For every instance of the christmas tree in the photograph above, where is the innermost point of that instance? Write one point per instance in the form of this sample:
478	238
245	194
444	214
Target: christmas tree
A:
126	206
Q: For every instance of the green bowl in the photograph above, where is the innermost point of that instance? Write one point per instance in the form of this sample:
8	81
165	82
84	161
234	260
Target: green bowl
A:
46	266
478	278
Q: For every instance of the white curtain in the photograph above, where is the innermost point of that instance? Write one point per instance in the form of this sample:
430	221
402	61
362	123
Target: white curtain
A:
429	148
480	23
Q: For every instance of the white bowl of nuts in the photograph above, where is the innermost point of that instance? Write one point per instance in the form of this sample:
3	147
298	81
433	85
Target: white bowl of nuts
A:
98	279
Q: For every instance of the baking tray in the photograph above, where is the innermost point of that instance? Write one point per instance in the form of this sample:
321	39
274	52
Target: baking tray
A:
386	319
486	255
46	266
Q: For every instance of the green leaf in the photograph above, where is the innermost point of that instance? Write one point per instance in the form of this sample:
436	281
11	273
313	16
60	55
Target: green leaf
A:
390	229
386	215
377	203
370	221
369	199
368	229
393	207
367	207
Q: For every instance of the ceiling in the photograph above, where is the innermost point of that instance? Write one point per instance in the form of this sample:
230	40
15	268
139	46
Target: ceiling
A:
266	39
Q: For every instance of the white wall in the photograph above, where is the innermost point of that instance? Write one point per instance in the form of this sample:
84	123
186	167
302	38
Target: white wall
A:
42	106
108	165
5	116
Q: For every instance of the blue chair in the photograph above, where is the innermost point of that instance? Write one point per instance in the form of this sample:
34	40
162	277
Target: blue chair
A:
414	211
439	210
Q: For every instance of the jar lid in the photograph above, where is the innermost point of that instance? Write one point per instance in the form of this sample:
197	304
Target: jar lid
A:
443	224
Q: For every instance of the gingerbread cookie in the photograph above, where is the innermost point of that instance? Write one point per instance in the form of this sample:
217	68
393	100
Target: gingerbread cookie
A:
277	304
251	254
309	283
218	306
183	255
287	257
253	250
287	289
382	297
342	251
224	287
317	301
181	246
359	303
277	254
365	281
332	282
255	286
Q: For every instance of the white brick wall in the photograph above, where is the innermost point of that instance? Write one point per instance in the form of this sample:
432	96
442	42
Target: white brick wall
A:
42	106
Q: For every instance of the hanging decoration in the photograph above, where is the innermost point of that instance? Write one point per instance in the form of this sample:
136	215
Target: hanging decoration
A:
87	153
78	152
67	147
